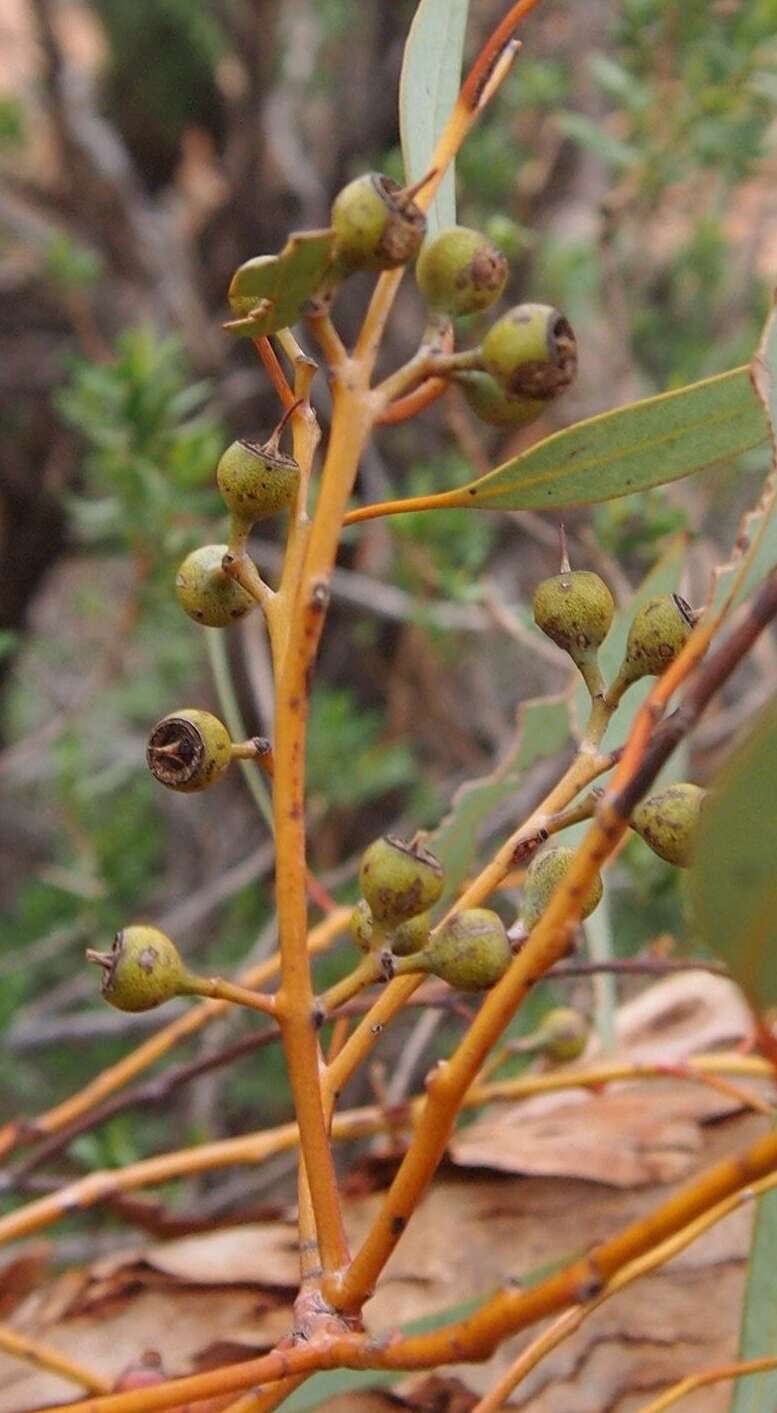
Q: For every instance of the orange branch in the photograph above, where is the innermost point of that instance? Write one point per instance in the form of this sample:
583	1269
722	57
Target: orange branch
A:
274	370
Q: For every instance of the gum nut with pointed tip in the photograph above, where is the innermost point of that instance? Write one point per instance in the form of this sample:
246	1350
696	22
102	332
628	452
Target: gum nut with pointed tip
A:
493	405
143	969
575	609
188	750
460	272
669	820
660	630
399	880
471	952
376	226
410	936
255	481
207	593
563	1034
360	925
544	874
531	351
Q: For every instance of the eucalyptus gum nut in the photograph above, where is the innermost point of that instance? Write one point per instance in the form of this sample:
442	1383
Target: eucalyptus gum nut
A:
360	925
188	750
143	969
575	609
493	405
531	351
255	482
410	936
460	272
471	952
207	593
543	876
376	227
399	880
668	822
658	634
562	1034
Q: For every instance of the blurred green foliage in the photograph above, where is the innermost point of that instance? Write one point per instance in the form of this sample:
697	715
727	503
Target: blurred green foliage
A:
151	447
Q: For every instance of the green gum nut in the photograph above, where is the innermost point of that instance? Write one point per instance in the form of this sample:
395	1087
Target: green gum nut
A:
543	876
575	609
207	593
659	632
376	225
493	405
410	936
399	880
562	1034
460	272
189	750
531	351
256	482
471	952
668	821
361	925
143	969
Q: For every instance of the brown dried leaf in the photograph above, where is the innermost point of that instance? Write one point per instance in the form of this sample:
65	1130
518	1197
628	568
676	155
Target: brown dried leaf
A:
636	1133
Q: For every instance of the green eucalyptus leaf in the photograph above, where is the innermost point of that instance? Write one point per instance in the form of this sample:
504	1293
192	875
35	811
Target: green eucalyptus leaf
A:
269	292
428	89
734	875
632	448
644	444
755	548
758	1335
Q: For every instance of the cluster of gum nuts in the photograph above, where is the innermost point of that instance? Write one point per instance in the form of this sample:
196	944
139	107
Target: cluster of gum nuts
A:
575	609
526	358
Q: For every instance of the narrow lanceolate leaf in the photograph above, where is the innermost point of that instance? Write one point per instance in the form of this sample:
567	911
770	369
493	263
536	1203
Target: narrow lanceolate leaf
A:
758	1335
270	292
758	538
645	444
755	548
428	89
734	875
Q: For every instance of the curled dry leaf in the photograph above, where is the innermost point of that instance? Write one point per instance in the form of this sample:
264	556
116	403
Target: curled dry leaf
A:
637	1133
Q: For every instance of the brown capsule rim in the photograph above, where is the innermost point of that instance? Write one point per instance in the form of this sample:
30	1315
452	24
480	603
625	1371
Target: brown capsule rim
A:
415	851
278	460
175	752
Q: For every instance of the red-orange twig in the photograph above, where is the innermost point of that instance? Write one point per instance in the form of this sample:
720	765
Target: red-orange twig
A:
274	370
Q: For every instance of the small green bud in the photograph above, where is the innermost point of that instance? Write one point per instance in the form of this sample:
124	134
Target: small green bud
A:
188	750
531	351
574	609
399	880
562	1034
659	632
410	936
207	593
143	969
257	481
360	925
668	821
471	952
460	271
493	405
376	223
543	876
